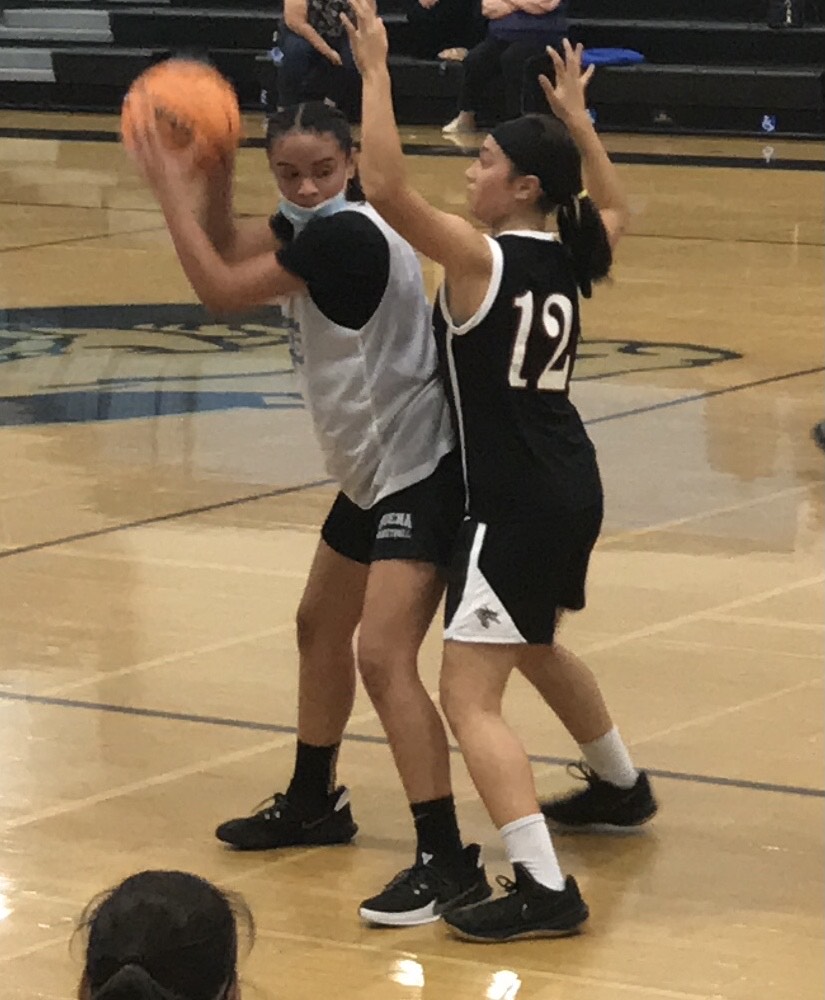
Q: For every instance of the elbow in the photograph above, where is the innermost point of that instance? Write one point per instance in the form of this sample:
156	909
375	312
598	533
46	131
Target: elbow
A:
219	301
380	188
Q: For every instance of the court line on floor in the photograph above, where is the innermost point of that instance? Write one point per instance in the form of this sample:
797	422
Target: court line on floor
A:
692	616
676	237
289	732
478	959
286	737
33	949
457	152
677	522
160	661
720	647
710	394
80	239
162	518
724	712
770	622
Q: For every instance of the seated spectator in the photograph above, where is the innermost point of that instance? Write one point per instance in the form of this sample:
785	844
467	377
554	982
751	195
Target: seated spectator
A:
317	62
518	30
445	29
162	935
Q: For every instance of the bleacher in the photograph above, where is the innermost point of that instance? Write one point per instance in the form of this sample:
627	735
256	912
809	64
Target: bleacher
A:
712	65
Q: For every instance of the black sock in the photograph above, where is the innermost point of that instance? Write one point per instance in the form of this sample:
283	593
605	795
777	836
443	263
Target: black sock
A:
313	778
436	828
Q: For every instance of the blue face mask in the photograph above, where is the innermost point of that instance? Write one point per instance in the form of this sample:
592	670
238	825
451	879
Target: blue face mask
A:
300	217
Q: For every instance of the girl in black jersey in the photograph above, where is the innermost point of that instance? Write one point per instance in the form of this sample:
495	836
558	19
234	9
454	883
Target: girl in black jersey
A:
507	322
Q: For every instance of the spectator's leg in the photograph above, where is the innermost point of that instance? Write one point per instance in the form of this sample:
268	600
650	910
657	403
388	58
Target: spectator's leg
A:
298	71
482	64
514	59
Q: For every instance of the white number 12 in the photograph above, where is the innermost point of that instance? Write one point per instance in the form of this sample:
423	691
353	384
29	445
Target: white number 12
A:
556	325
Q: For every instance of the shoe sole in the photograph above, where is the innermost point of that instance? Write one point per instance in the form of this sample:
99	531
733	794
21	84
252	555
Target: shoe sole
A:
411	918
319	842
520	936
614	828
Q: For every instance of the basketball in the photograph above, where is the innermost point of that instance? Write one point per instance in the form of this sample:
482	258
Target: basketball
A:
191	103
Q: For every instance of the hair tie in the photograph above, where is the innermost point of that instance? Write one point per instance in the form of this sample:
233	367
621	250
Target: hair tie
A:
583	194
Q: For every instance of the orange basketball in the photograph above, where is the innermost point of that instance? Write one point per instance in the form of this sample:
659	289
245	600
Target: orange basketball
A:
191	103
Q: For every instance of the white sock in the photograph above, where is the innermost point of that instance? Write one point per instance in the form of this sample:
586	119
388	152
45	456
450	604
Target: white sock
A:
527	842
609	758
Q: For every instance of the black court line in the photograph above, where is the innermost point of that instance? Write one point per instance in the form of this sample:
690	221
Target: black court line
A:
681	400
425	149
161	518
225	504
79	239
268	727
138	210
654	159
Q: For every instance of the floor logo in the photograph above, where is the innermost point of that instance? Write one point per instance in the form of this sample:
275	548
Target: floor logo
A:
80	364
92	363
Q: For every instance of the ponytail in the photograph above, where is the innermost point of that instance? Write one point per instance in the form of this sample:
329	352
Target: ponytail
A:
131	982
582	231
541	146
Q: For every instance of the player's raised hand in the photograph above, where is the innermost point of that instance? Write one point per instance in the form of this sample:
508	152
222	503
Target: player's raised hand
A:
367	36
567	95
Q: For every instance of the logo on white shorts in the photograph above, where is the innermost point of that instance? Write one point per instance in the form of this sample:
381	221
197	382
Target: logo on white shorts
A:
487	617
395	526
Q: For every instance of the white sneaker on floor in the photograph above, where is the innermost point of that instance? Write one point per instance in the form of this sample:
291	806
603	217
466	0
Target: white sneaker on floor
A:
456	126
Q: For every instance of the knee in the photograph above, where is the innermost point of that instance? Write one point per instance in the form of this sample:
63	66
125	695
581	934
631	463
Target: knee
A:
307	624
456	707
383	667
478	61
316	631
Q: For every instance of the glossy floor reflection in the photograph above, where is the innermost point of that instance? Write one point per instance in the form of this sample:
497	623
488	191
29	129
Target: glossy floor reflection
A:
158	510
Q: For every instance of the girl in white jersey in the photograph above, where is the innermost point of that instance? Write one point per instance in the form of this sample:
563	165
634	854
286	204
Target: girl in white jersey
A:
361	342
507	323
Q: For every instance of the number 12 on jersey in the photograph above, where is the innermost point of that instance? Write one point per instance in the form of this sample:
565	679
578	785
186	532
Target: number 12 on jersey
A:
541	343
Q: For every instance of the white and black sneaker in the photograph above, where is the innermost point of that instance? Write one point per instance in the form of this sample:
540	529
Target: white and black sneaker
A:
528	910
421	894
279	822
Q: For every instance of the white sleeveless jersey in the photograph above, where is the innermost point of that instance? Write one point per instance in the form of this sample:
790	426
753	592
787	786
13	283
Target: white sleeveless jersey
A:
380	412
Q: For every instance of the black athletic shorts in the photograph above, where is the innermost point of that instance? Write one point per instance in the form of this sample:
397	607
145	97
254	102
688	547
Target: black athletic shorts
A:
509	579
418	523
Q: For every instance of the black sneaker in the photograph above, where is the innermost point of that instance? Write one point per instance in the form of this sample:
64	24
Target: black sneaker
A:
602	804
818	434
280	824
421	894
529	910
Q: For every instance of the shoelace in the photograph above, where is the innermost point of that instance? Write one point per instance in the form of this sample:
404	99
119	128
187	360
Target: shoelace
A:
270	808
418	876
507	884
582	771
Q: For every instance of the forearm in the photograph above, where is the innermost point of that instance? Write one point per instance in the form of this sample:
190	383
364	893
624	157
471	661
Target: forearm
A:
381	165
302	27
214	212
600	175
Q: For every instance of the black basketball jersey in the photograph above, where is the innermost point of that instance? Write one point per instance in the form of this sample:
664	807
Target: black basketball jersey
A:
508	371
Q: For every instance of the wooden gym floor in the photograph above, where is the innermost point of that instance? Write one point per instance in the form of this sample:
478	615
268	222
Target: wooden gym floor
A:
160	501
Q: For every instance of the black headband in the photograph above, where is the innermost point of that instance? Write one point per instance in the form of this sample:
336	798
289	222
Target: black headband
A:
541	147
